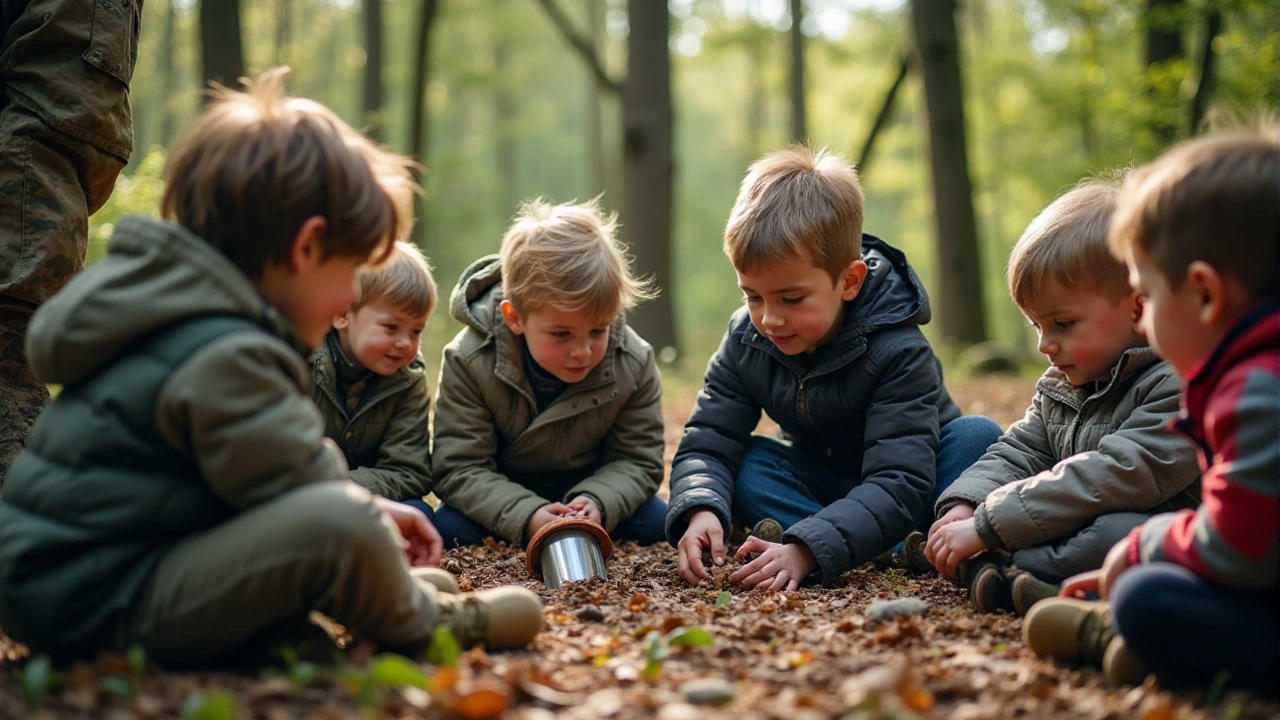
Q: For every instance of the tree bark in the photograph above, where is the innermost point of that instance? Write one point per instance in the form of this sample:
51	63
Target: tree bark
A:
221	49
1164	44
1204	86
799	131
283	26
168	74
882	117
504	113
649	167
958	273
418	115
372	96
595	121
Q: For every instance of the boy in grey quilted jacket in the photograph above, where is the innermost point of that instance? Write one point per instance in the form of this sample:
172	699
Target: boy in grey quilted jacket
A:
1093	457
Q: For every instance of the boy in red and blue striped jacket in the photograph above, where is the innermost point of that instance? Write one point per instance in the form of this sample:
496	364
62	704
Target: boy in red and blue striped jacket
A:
1193	594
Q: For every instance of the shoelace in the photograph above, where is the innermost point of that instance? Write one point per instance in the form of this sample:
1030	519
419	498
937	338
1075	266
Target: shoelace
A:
465	618
1095	634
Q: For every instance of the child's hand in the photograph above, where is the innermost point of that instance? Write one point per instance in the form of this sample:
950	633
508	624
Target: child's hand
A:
779	567
544	515
419	538
704	531
952	543
586	507
963	511
1080	585
1117	562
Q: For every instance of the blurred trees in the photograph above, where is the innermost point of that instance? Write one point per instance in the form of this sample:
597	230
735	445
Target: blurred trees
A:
221	46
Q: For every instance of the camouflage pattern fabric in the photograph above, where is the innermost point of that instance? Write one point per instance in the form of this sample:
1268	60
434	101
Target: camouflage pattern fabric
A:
66	131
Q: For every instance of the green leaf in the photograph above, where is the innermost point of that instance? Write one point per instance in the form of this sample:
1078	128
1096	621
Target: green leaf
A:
137	659
37	677
655	651
397	671
723	599
303	674
117	685
690	637
444	649
219	705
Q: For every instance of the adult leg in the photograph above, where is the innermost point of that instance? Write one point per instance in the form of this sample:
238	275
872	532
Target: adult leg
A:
1056	561
780	482
646	524
1178	622
324	547
457	529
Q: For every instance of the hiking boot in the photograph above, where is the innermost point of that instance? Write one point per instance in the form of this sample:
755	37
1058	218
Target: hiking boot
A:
769	530
22	395
1081	631
1027	590
442	580
913	553
989	589
969	567
502	618
1121	666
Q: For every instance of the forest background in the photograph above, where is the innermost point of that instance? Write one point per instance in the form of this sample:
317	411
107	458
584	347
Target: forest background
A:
525	98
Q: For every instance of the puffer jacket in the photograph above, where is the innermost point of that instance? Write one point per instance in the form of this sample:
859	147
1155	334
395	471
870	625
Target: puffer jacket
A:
492	448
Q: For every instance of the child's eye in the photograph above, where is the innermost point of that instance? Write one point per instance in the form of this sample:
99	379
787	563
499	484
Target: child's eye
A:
1063	324
751	299
560	334
597	332
792	300
417	332
392	328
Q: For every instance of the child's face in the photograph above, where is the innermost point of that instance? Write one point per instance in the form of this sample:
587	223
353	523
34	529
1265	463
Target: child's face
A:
566	344
1083	333
1171	318
380	336
795	303
318	293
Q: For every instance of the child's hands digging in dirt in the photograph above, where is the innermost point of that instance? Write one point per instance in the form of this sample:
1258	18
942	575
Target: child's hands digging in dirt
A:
779	567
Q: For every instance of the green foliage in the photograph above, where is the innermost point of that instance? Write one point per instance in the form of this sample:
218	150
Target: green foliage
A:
136	193
217	705
300	672
444	649
385	671
654	653
38	679
723	599
690	637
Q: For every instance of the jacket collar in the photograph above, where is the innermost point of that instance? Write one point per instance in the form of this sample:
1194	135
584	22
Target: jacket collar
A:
1256	333
326	373
1132	362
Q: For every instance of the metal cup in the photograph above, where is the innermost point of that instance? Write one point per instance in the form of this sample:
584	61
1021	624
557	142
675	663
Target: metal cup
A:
568	550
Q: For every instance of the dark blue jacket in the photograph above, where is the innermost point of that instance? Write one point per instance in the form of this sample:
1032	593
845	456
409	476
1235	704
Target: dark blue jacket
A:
868	405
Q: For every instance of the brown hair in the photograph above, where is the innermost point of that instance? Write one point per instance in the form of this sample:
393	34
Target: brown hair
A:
793	200
1067	243
566	256
258	163
1214	199
404	281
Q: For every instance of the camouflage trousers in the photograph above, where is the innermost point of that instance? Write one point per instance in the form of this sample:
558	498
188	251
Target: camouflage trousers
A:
66	131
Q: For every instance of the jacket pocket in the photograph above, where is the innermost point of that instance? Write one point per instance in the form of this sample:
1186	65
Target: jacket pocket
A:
113	38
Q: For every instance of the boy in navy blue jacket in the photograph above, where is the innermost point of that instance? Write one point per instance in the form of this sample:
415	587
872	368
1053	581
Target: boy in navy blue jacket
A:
829	346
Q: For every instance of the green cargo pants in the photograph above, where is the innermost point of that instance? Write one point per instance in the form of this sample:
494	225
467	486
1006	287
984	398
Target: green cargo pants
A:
323	547
66	130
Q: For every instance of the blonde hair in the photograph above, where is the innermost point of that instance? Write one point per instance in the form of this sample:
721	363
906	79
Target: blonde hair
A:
404	281
1215	199
1067	243
258	163
566	256
793	200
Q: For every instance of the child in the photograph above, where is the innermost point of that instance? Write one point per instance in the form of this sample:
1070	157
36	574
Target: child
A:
829	346
1092	458
549	404
179	493
370	383
1194	593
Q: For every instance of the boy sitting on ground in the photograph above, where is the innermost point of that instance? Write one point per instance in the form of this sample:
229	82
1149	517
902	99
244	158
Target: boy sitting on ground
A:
1092	458
371	384
179	493
1193	594
829	346
550	405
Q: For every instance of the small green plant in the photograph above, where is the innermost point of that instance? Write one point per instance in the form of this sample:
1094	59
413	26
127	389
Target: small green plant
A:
658	646
217	705
723	599
38	679
690	637
444	649
655	652
126	686
386	671
300	672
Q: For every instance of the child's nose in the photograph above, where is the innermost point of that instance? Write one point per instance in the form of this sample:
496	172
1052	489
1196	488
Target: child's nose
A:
1047	346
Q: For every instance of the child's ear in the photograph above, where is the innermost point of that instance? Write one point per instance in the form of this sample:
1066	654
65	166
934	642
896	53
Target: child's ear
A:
1211	290
306	249
512	317
852	278
342	321
1139	304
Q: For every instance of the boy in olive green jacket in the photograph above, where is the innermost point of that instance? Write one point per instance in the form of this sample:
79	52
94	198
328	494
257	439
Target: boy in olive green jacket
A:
549	404
371	384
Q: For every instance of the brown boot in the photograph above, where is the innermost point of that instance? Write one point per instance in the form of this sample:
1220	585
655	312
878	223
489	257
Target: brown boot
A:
502	618
1027	590
22	396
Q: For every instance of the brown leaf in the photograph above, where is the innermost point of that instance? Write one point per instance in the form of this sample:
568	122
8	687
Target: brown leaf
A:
637	602
275	688
483	703
671	622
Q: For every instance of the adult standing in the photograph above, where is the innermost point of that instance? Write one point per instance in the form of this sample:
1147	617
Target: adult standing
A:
66	132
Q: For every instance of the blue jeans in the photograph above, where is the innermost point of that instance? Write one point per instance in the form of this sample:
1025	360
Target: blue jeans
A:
1192	629
780	482
645	526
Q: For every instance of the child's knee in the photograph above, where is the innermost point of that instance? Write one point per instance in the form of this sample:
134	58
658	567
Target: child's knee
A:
331	512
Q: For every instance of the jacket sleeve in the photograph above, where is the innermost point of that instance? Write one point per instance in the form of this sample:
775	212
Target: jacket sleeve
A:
403	468
240	408
899	465
1233	538
464	457
1134	469
632	469
715	438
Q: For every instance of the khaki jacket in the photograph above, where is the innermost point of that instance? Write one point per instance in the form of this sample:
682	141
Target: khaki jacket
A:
492	449
1076	456
386	439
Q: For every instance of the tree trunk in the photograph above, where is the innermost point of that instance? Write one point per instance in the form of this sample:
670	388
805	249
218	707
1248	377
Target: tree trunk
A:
1164	44
595	122
168	74
649	166
1204	86
283	25
372	96
418	116
958	268
882	117
221	49
504	113
799	131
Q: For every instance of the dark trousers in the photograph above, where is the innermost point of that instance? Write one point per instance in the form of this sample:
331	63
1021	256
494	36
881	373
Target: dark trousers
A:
1192	629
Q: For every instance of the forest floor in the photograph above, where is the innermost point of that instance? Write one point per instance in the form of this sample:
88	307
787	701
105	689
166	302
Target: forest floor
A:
644	644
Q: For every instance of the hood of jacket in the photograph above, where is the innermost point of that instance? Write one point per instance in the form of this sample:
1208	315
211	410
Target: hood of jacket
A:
474	301
109	307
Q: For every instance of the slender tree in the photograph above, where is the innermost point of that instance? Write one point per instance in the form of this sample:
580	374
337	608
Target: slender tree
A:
504	112
284	12
418	116
372	96
595	121
1164	45
1205	81
955	229
221	49
799	131
168	74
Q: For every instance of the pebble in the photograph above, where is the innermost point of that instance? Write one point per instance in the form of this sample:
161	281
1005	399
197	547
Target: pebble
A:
708	691
591	613
897	607
679	711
